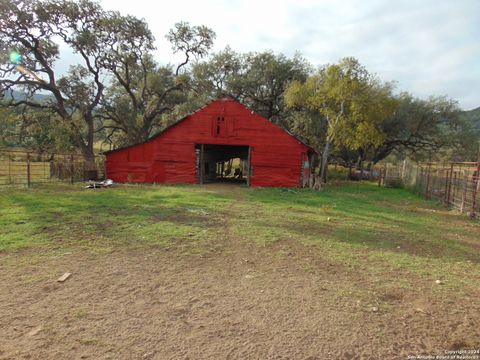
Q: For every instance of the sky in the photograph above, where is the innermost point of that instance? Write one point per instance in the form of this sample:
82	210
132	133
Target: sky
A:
427	47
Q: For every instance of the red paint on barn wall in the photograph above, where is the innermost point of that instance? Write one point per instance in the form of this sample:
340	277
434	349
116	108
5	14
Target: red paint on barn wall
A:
276	157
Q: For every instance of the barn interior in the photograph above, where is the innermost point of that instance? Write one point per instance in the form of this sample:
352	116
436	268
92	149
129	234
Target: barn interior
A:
223	163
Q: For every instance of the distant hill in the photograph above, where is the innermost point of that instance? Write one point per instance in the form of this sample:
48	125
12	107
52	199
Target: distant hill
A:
474	116
17	95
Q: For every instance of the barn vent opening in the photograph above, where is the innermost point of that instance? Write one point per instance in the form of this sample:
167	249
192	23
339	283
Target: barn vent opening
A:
222	163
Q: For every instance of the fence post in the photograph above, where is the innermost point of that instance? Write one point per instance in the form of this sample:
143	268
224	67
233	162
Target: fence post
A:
385	175
428	180
465	188
51	168
44	170
419	178
9	168
447	195
475	179
453	192
28	170
71	168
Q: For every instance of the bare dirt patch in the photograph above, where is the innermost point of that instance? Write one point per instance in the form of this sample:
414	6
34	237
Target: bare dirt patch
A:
274	302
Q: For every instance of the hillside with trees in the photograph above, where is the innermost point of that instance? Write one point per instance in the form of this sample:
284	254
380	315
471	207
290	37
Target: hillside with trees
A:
473	116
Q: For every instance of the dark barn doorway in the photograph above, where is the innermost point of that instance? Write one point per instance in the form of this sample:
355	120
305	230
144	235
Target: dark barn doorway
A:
223	163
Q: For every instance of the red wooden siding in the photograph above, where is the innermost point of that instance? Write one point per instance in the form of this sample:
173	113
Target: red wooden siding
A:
276	156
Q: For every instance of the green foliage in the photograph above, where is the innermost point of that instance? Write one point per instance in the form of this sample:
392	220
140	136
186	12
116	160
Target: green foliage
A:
419	128
38	130
116	55
8	128
256	79
216	75
190	40
94	34
262	84
473	116
143	93
307	126
133	110
467	144
350	100
44	132
190	103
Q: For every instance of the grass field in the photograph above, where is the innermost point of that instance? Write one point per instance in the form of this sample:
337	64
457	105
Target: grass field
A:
348	272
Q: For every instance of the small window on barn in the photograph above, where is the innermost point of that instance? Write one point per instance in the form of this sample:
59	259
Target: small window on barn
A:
219	126
219	120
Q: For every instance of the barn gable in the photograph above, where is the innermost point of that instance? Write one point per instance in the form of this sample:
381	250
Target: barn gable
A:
198	143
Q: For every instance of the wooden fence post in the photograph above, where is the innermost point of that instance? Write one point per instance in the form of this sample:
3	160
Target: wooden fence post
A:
475	178
51	168
385	175
428	180
447	194
465	188
28	170
419	178
455	189
9	168
71	168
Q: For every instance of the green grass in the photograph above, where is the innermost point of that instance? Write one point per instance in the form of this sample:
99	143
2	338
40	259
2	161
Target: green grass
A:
126	215
361	225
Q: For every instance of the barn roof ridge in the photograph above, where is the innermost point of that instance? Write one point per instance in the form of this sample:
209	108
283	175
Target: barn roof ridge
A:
222	96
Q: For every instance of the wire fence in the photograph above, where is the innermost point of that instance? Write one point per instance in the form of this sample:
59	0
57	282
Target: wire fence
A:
456	184
18	167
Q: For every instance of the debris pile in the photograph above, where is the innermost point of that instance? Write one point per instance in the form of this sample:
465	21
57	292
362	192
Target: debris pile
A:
99	184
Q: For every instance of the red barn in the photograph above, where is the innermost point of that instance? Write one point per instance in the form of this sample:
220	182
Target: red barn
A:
200	148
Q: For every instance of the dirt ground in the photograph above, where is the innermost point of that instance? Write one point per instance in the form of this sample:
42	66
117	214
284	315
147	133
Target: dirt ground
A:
277	302
240	300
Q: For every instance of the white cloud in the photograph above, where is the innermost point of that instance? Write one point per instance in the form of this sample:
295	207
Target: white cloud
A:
429	47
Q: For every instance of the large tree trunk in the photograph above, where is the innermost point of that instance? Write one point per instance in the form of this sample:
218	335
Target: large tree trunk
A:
359	162
89	152
324	165
89	157
90	168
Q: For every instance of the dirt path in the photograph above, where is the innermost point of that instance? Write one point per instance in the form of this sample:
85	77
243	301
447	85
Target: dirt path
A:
283	302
